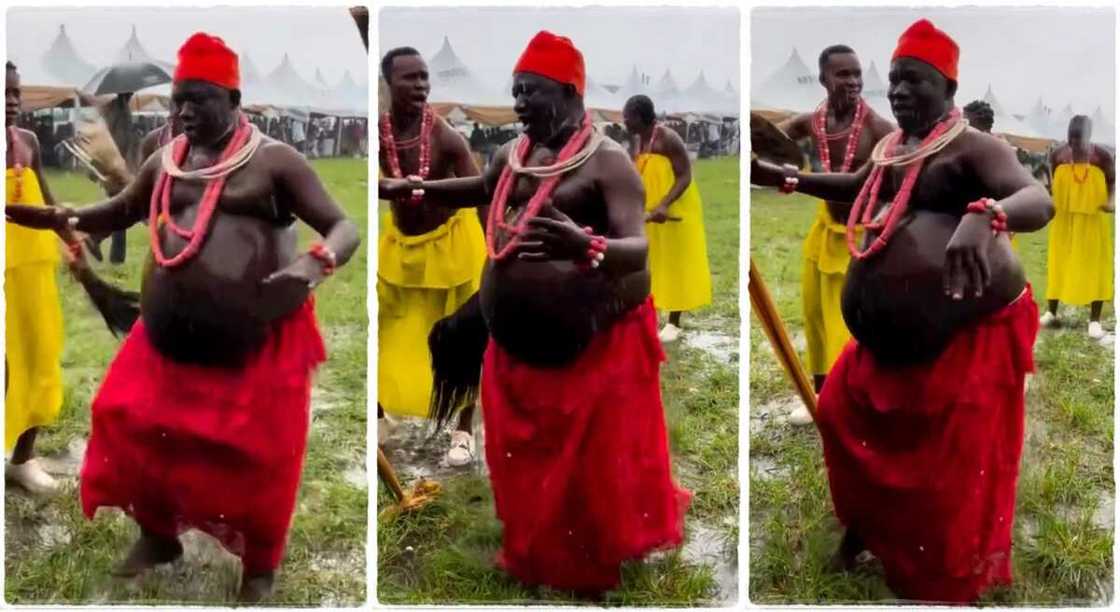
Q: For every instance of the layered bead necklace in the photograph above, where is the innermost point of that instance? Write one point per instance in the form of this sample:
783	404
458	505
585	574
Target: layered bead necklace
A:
244	143
1074	165
579	148
883	157
820	132
392	149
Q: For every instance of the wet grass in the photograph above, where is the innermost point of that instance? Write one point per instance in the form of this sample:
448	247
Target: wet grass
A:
56	556
1064	512
444	553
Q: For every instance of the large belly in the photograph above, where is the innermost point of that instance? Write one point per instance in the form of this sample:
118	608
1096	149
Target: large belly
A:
546	313
213	309
895	304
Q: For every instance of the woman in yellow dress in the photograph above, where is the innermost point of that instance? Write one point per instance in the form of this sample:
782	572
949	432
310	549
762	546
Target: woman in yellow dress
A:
1080	259
33	342
678	249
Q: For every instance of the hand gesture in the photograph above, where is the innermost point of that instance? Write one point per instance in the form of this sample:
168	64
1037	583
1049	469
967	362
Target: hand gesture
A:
553	236
967	272
393	188
766	174
37	217
288	288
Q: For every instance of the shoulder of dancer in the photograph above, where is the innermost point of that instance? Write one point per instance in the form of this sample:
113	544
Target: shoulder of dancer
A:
1101	158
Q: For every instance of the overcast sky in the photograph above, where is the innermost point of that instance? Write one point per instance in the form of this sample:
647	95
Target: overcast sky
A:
612	40
1063	54
324	38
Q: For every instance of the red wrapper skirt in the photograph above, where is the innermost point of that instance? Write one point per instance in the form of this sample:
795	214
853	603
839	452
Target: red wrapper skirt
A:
579	459
180	446
923	460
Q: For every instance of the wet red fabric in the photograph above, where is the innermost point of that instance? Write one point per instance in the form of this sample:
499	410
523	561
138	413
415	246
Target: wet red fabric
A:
579	459
923	460
180	446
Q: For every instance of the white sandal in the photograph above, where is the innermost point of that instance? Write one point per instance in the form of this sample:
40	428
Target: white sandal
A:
462	449
31	476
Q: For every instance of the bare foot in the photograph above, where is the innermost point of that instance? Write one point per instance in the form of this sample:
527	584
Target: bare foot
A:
149	551
256	587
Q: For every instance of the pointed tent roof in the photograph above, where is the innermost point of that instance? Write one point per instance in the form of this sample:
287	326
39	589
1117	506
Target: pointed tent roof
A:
320	82
667	86
64	64
634	85
249	71
791	87
990	98
453	80
701	97
729	89
1059	126
285	87
1039	117
875	91
133	51
1004	122
349	93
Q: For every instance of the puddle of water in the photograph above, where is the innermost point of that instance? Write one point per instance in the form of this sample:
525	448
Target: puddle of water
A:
415	453
707	546
68	462
720	347
355	476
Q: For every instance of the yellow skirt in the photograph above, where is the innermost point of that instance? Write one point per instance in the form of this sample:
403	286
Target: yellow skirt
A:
421	279
678	250
34	349
825	266
1079	258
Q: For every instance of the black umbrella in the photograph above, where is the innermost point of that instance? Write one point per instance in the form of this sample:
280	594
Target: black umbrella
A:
128	77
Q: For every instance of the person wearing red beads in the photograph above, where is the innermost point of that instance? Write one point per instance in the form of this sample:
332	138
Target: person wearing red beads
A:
1079	258
678	248
843	129
430	258
202	419
921	417
569	338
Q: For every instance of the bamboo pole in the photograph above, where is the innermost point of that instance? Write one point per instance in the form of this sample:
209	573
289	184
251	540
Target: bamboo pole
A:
763	306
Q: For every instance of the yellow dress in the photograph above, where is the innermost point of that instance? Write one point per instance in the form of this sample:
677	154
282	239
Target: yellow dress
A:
420	280
1079	258
824	267
33	341
678	250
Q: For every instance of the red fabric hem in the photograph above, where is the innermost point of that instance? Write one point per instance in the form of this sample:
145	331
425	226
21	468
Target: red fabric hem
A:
180	446
579	459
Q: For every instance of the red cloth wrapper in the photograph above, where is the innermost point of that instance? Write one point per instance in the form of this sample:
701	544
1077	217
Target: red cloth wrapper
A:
554	57
925	42
180	446
579	459
923	460
207	58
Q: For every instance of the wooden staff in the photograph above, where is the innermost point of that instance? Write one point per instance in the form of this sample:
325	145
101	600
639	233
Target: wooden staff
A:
763	306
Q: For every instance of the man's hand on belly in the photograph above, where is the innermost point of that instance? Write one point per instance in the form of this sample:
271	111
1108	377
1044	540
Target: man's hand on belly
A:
967	270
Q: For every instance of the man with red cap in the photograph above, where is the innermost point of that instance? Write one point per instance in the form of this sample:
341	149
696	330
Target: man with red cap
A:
569	337
202	419
921	418
843	129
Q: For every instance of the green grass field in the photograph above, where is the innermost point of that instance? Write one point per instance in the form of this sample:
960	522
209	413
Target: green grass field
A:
444	553
1064	516
56	556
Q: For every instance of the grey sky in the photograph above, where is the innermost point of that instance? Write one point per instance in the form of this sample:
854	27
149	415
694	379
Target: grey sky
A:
612	40
1063	54
324	38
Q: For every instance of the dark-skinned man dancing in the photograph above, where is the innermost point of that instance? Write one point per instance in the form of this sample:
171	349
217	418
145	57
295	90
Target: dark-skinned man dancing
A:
921	418
202	419
843	130
579	484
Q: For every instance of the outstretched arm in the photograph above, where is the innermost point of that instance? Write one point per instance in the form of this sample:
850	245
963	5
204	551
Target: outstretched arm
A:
831	186
119	212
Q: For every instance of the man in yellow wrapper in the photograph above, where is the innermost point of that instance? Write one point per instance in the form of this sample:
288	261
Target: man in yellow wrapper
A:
431	257
1079	259
678	249
33	344
843	130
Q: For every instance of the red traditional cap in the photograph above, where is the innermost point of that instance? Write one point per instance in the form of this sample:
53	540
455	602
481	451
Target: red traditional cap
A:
924	42
554	57
207	58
